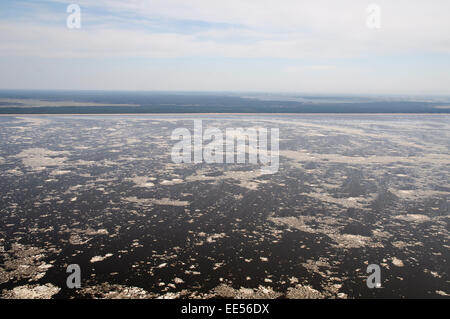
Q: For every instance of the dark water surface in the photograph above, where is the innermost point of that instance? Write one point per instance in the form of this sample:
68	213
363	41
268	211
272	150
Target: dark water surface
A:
103	192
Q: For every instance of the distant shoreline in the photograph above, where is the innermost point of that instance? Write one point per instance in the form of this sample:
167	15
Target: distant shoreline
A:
91	103
175	114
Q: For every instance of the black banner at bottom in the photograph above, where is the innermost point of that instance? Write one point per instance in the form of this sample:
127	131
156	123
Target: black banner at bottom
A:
216	308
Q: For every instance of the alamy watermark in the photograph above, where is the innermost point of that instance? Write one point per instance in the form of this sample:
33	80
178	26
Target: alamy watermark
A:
374	16
74	279
374	279
74	19
229	146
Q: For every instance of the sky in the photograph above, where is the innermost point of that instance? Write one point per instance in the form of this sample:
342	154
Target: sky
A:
313	46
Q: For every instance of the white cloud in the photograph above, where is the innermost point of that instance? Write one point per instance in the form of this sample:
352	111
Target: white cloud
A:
280	29
317	42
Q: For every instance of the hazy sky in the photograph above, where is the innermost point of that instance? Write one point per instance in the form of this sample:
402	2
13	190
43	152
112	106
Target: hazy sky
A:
316	46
